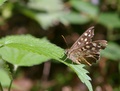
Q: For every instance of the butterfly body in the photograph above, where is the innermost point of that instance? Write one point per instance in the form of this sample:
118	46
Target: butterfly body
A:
84	50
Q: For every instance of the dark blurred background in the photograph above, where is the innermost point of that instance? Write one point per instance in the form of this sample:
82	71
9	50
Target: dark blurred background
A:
70	18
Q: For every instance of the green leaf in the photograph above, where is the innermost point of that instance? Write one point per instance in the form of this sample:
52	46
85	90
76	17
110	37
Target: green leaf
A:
4	78
49	19
46	20
76	18
110	20
2	1
4	66
25	50
45	5
20	50
111	51
7	10
85	7
21	57
82	74
116	88
49	13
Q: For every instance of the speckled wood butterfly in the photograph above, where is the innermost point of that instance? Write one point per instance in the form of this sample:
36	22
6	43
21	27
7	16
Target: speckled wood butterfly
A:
84	50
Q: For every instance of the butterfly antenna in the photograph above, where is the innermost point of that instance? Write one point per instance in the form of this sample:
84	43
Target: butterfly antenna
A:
65	41
66	44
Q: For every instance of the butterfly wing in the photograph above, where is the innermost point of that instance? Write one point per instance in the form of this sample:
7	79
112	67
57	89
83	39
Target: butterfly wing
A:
85	38
84	50
90	53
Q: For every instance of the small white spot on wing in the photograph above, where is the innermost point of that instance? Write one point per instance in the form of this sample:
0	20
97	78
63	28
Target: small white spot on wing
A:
93	48
85	34
81	39
85	39
88	46
79	43
98	46
87	42
94	44
84	49
89	30
89	35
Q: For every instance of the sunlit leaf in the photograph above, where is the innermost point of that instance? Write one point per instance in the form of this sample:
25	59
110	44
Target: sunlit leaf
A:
85	7
111	51
76	18
49	19
4	78
2	2
7	10
25	50
4	66
117	88
46	5
110	20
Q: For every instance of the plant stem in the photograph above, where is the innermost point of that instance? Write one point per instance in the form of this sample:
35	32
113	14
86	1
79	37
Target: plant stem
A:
14	72
10	85
1	89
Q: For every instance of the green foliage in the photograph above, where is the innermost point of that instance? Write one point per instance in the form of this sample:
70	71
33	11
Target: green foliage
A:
2	1
26	50
110	20
85	7
117	89
50	13
111	49
23	50
4	78
7	10
76	18
51	6
82	75
6	75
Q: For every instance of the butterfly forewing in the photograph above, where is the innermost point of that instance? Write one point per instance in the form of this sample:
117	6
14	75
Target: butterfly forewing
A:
85	38
84	50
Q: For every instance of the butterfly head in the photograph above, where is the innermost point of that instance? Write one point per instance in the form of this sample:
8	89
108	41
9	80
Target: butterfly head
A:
67	51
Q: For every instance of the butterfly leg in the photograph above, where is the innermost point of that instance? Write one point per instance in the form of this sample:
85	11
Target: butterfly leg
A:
93	57
86	61
77	61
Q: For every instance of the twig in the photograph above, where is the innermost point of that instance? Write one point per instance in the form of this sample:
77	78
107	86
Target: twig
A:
46	71
14	72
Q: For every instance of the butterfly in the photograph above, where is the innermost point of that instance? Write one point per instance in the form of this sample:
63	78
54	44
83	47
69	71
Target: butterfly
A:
84	50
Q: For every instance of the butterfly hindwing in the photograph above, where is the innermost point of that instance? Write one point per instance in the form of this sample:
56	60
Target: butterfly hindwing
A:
91	51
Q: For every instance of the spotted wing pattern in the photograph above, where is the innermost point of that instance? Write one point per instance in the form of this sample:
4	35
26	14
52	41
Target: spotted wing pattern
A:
85	38
84	50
